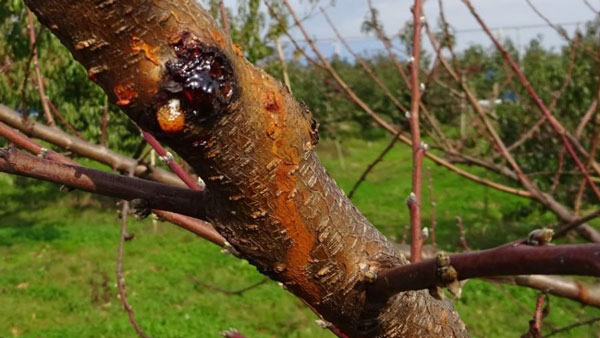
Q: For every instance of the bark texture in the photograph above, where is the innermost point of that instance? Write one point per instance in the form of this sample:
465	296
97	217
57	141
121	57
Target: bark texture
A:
175	74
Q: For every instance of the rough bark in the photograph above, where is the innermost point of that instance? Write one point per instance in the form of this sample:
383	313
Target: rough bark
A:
244	133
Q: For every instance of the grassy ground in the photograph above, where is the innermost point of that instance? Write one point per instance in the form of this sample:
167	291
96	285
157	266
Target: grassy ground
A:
58	251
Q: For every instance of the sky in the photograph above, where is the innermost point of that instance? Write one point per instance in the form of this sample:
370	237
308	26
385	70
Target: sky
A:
509	18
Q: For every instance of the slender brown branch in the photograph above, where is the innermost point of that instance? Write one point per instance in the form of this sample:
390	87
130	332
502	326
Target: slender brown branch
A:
238	292
104	123
535	325
158	196
63	120
462	236
445	29
561	31
284	68
589	5
567	80
364	65
391	129
387	44
550	260
194	225
25	82
512	298
581	189
556	125
189	181
120	280
414	204
559	170
572	225
372	165
38	72
224	18
433	207
82	148
377	27
572	326
26	143
588	115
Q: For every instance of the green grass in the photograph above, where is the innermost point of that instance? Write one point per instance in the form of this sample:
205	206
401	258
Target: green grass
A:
58	251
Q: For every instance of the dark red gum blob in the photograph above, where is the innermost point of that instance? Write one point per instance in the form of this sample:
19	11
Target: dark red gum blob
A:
202	76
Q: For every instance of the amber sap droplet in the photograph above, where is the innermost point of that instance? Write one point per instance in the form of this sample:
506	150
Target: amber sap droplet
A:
279	267
170	117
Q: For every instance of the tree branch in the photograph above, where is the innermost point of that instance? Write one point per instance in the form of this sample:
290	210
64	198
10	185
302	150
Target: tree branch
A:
510	259
85	149
158	196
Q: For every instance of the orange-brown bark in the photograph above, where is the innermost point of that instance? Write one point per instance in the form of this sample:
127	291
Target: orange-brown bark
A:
249	139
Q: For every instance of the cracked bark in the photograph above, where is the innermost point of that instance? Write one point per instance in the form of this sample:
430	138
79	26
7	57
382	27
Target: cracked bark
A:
244	133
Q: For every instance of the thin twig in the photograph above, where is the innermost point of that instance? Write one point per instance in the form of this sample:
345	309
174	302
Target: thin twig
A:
38	72
120	279
405	234
414	201
581	190
512	298
535	325
568	227
26	143
387	44
25	82
378	119
589	5
224	18
364	65
372	165
193	225
588	115
559	170
572	326
556	125
63	120
561	32
238	292
567	80
168	159
104	123
284	68
462	236
433	207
